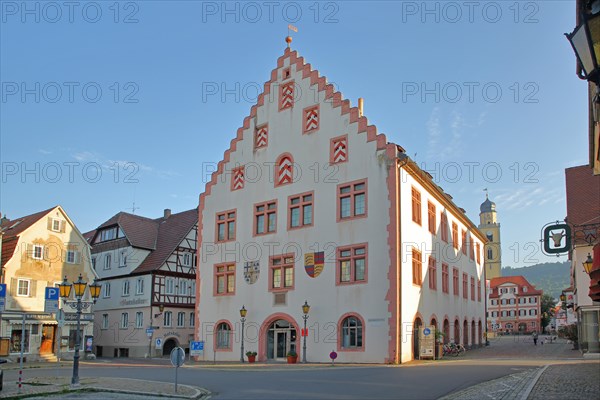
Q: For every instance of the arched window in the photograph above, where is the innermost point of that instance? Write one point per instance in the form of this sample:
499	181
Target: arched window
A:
352	333
223	336
490	254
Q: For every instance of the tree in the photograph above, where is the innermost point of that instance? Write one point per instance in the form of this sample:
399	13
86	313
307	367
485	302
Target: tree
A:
548	304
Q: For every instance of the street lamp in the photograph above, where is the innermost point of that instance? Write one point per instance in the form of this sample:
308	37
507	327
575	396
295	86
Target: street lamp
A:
65	292
585	40
243	312
588	264
305	310
161	308
563	298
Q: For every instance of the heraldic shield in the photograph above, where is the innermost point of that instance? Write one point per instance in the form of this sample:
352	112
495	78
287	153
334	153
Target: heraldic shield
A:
251	271
313	263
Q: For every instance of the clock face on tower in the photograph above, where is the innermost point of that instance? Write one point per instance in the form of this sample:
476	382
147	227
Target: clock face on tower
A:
489	235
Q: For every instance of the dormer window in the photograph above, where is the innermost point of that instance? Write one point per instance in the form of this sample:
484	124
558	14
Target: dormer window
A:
108	234
524	288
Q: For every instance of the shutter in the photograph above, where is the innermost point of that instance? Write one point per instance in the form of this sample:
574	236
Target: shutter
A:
13	286
28	250
45	254
77	257
49	223
33	288
62	226
64	256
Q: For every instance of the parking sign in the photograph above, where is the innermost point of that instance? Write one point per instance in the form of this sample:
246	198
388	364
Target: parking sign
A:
2	296
51	300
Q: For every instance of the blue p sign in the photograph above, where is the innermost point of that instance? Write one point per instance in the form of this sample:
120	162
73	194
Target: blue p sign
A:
2	290
51	293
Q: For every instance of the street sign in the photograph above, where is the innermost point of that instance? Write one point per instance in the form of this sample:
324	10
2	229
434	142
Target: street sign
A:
149	332
177	357
196	349
426	341
51	300
158	343
2	296
73	317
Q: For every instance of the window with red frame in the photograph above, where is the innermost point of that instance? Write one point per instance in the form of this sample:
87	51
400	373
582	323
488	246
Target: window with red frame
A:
464	242
478	250
432	274
455	235
352	264
465	282
472	288
455	287
300	210
225	279
471	247
444	227
282	272
417	267
432	217
416	206
445	278
265	218
225	226
352	200
479	290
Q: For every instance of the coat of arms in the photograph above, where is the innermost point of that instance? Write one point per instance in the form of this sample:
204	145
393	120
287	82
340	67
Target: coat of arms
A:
313	263
251	271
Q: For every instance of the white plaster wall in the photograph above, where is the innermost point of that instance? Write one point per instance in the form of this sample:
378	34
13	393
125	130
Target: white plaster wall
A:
328	301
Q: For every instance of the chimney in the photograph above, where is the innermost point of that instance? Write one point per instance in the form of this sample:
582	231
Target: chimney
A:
360	107
167	213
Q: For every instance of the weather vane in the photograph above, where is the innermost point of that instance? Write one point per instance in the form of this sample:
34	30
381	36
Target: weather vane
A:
288	39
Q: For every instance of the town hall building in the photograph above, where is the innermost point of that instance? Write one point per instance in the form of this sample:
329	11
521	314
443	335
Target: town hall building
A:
311	205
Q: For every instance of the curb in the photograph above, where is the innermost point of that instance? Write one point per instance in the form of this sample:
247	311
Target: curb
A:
529	388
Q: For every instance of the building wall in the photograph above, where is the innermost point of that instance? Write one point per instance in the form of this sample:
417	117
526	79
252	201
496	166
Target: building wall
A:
510	322
48	271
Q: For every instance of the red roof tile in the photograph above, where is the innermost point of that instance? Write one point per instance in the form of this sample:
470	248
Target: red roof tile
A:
517	280
583	195
140	231
11	230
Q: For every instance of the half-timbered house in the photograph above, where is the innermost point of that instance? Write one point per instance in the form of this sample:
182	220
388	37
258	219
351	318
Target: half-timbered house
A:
147	269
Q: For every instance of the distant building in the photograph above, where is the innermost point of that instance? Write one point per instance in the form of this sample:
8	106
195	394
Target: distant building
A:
38	251
311	204
514	306
583	217
147	268
488	224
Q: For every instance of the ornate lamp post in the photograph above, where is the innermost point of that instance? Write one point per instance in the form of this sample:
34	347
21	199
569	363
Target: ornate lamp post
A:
243	312
585	40
588	264
65	292
305	310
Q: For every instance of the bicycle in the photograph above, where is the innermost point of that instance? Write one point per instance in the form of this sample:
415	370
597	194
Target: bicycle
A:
453	349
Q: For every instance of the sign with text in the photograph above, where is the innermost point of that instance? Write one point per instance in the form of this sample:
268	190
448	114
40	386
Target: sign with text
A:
196	349
51	300
427	342
73	317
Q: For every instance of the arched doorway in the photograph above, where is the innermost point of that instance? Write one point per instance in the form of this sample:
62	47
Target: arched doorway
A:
479	340
522	327
465	333
169	345
417	324
281	339
473	334
446	331
456	336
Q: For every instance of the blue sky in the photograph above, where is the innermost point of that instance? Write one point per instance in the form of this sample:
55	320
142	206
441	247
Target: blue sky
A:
106	103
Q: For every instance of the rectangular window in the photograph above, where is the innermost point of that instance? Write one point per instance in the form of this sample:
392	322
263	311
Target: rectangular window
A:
104	321
169	286
478	250
432	270
473	288
139	286
56	224
108	234
186	260
352	200
224	279
192	319
479	290
465	285
416	206
123	258
124	320
107	261
281	272
125	288
471	248
106	289
38	252
300	210
23	287
168	318
464	242
455	235
432	216
265	218
180	319
444	227
417	266
445	278
225	226
352	264
455	287
72	257
139	319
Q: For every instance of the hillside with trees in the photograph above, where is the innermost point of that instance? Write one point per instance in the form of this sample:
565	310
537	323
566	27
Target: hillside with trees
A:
552	278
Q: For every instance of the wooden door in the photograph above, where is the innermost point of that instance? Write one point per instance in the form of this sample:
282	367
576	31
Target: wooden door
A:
47	345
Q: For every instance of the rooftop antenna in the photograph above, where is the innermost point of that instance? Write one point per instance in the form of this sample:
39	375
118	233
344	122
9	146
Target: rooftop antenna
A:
288	39
133	208
486	192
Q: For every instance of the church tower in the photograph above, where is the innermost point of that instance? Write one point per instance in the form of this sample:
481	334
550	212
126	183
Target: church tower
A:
489	225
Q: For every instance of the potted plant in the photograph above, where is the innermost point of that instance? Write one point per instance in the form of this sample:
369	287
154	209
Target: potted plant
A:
439	343
292	357
251	356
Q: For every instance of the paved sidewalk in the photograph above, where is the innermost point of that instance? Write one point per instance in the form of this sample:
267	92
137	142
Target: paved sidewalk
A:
100	388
